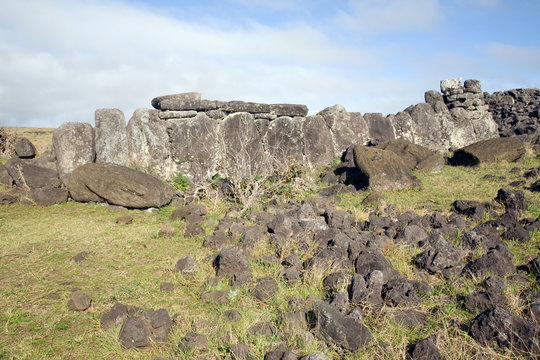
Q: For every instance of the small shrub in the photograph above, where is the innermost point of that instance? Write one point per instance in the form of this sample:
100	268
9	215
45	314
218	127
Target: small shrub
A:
180	182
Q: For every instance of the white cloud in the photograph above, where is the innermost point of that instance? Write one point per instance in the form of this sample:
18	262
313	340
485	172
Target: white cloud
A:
385	16
515	56
59	61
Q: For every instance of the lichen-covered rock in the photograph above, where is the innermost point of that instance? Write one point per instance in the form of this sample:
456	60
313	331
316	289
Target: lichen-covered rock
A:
148	143
283	141
333	326
24	148
27	176
111	136
188	155
317	137
74	145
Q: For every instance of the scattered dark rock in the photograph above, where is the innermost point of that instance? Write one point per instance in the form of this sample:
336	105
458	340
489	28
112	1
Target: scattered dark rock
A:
425	350
79	301
166	230
187	266
219	296
115	316
315	356
493	263
24	148
124	220
239	352
264	289
499	326
263	328
233	315
194	342
331	325
230	261
80	257
47	196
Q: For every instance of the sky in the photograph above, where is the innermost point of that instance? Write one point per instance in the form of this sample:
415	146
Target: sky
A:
60	60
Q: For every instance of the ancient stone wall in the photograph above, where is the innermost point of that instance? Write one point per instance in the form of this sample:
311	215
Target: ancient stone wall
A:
201	138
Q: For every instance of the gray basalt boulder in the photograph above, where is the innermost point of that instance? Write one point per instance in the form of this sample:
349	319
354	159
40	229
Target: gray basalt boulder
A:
27	176
111	137
141	331
335	327
176	102
194	146
489	151
283	141
382	170
317	137
346	128
380	127
500	327
242	153
148	143
24	148
118	185
74	146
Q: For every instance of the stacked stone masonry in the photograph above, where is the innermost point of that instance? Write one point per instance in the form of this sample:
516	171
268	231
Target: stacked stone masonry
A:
201	138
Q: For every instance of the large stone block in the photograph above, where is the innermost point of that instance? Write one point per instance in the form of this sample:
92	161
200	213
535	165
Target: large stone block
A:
74	146
194	146
241	149
283	141
176	101
317	138
380	127
111	136
148	143
346	128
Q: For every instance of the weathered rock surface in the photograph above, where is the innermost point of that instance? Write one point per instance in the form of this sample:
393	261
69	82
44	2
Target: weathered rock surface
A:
118	185
27	176
382	170
49	195
502	328
489	151
74	145
148	143
111	137
141	331
414	156
79	301
333	326
24	148
515	111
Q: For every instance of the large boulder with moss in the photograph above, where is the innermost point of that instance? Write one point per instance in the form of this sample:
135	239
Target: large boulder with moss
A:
415	156
380	169
118	185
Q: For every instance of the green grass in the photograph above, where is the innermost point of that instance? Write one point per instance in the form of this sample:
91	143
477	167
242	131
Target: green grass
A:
127	263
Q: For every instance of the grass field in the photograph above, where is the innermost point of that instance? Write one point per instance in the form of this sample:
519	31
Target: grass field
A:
127	263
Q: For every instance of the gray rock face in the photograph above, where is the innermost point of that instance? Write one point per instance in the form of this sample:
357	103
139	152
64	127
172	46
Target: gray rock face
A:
111	137
346	128
175	102
242	153
24	148
194	146
317	138
230	261
333	326
283	141
74	146
118	185
79	301
382	170
148	143
380	127
500	327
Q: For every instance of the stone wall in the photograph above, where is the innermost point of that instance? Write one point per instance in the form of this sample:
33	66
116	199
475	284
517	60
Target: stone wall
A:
200	138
